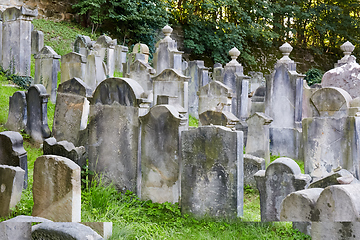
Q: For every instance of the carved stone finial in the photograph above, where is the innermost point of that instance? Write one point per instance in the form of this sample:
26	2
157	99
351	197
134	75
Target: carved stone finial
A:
347	48
285	49
167	30
234	54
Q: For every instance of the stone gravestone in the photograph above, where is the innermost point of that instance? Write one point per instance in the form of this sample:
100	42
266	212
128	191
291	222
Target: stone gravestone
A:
83	45
256	80
96	70
57	189
282	177
142	72
307	93
120	57
73	65
160	154
199	76
12	152
46	70
114	131
1	33
71	110
212	172
107	52
221	118
218	72
17	117
16	40
284	106
258	101
11	185
142	49
37	41
252	165
37	126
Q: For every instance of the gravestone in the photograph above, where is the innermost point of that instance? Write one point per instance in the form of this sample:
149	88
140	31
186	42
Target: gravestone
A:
218	72
252	165
16	39
258	136
199	76
132	57
221	118
71	110
96	70
282	177
11	186
337	177
335	230
17	117
37	126
166	55
37	41
1	33
114	131
256	80
83	45
57	189
258	101
46	70
73	65
160	154
120	57
142	72
308	91
12	152
284	106
107	52
212	172
215	96
142	49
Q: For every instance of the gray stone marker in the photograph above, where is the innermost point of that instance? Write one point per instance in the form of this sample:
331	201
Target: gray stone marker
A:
212	172
252	165
217	73
142	72
215	96
282	177
11	186
258	143
37	41
107	52
114	131
258	100
63	230
120	57
12	152
256	80
16	39
336	178
73	65
160	154
83	45
167	55
37	126
47	67
335	230
221	118
96	70
132	57
1	27
17	117
307	93
199	76
57	189
284	106
142	49
71	111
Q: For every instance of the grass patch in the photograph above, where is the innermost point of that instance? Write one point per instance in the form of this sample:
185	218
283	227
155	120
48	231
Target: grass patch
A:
193	121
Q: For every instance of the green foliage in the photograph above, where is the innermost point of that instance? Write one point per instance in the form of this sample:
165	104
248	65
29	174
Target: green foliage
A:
313	76
193	122
23	82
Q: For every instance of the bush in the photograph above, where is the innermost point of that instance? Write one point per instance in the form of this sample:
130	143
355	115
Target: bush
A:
313	76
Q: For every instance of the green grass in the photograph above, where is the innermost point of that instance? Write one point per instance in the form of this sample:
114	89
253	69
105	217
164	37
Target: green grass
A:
193	122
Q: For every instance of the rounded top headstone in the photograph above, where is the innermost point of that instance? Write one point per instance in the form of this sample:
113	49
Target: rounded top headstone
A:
167	30
347	48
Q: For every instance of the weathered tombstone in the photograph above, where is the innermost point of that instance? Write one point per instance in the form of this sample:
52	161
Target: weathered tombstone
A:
1	35
335	230
252	165
282	177
160	154
12	152
341	176
284	106
214	96
256	80
258	100
37	41
104	229
11	186
107	52
16	39
199	76
113	145
142	72
71	110
221	118
132	57
57	189
307	93
143	49
37	126
17	117
73	65
217	73
46	70
120	57
258	136
212	172
167	55
83	45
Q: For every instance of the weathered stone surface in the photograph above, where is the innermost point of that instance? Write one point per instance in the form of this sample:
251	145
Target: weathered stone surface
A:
107	52
221	118
11	185
15	230
30	219
37	41
218	71
256	81
104	229
160	154
17	117
282	177
83	45
252	165
335	230
12	152
57	189
120	57
258	100
212	173
142	73
73	65
96	70
307	110
335	178
64	231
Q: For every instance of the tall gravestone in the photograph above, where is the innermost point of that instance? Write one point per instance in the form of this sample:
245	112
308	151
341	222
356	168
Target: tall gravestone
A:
73	65
142	72
47	67
107	52
17	117
37	41
12	152
212	172
16	39
37	125
1	35
96	70
120	57
284	106
258	100
83	45
218	71
114	131
160	154
256	80
71	110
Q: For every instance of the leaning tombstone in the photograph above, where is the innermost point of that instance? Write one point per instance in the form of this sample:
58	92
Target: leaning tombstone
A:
252	165
37	126
57	189
37	41
11	186
17	117
212	172
12	152
282	177
73	65
221	118
46	70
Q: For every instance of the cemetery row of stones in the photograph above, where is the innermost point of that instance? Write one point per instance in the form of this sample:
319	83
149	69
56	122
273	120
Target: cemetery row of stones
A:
134	131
